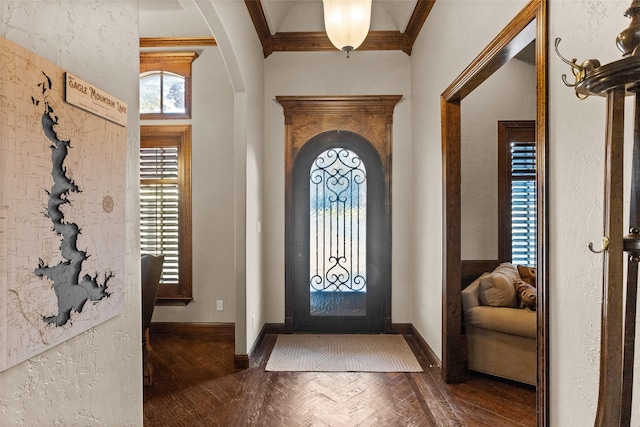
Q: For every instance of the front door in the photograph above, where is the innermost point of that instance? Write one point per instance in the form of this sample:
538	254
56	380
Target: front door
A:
340	264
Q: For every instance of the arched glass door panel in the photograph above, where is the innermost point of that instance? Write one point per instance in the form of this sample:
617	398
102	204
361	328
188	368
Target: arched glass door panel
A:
338	234
341	262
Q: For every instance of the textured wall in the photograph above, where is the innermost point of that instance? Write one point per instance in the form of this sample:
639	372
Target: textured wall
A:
94	378
576	142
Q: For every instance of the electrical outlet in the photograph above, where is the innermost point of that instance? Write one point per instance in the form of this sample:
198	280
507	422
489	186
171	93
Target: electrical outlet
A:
219	305
253	322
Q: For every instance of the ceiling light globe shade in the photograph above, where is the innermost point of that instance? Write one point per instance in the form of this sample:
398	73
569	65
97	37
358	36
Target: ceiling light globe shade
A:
347	22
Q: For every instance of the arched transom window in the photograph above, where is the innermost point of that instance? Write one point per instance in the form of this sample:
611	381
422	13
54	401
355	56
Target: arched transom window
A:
165	85
162	92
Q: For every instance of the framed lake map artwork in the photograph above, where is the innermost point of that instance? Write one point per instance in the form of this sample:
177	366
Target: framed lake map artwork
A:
62	195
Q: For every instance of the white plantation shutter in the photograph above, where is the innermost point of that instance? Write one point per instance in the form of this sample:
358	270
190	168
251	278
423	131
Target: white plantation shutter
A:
159	207
523	203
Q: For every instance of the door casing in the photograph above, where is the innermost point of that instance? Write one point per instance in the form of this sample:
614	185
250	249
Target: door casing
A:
516	35
371	117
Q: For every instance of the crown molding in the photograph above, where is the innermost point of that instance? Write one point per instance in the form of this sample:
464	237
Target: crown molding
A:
417	20
260	23
176	41
318	41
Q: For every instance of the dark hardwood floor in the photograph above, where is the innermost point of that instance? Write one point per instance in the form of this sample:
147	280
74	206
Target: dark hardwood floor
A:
195	384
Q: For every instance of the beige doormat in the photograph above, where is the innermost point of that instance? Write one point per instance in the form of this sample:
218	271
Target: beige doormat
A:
342	353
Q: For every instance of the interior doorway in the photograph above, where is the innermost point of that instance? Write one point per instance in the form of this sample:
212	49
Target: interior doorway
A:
528	25
338	190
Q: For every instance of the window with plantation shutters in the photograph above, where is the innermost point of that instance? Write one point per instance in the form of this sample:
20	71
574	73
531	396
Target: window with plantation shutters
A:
517	192
165	206
159	207
523	203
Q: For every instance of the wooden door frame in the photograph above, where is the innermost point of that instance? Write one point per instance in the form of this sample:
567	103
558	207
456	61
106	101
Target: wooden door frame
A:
515	36
370	116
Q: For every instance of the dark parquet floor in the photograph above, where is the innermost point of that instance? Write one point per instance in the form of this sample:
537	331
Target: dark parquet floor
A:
195	384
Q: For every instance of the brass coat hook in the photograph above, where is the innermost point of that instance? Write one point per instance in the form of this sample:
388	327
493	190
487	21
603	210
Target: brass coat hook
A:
605	246
579	71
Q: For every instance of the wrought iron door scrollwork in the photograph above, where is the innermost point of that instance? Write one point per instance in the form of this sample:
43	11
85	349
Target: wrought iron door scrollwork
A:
338	222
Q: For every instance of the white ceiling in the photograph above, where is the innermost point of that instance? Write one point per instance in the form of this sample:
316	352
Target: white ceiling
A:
307	15
157	5
171	18
180	18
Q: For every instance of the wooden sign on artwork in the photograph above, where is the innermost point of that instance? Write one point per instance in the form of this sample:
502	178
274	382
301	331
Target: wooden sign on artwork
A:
86	96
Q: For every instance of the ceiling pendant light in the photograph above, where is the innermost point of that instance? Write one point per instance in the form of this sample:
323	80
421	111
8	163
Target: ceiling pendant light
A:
347	22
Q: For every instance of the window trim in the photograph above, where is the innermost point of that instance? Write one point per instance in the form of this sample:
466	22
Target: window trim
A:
508	131
179	63
180	293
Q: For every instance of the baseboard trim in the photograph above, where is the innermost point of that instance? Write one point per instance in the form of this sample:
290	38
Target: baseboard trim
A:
401	328
241	361
194	328
409	329
424	346
268	328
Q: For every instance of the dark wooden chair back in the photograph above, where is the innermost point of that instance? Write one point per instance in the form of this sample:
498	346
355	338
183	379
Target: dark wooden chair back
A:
151	271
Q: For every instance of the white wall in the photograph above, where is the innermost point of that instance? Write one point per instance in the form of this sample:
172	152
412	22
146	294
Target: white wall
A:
331	73
212	194
509	94
233	29
94	378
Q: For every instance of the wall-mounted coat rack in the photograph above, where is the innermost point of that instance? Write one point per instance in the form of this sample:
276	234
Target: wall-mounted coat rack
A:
615	81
